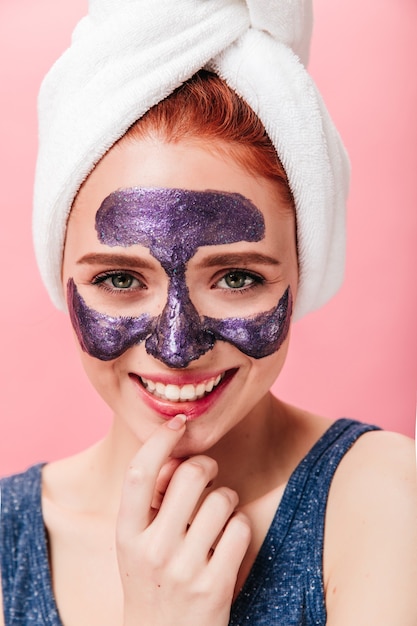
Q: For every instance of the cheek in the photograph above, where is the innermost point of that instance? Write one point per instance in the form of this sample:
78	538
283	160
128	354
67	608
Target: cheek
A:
259	336
105	378
265	372
101	336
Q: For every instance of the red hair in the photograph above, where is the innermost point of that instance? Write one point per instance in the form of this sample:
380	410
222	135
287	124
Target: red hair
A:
205	108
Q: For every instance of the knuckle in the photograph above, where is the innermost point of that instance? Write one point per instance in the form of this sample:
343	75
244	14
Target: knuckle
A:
137	475
182	576
155	556
243	524
224	497
241	527
218	590
141	555
198	469
193	471
203	586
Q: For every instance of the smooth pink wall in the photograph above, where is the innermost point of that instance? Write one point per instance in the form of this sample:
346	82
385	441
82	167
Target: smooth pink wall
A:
356	357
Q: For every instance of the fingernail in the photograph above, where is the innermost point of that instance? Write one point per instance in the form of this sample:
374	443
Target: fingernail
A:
177	422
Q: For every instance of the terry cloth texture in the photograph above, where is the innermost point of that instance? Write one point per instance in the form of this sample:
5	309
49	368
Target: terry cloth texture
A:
128	55
285	585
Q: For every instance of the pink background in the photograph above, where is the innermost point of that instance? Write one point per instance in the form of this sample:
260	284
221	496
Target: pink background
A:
356	357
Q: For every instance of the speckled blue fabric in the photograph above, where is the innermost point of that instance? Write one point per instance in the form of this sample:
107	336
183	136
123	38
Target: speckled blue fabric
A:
284	587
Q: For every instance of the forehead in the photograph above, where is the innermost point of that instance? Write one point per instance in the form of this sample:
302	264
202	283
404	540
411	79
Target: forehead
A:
173	223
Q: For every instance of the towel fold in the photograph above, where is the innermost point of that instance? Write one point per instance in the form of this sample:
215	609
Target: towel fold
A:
128	55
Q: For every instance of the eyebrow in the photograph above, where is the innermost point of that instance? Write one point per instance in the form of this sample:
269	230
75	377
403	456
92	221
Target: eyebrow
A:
234	259
115	259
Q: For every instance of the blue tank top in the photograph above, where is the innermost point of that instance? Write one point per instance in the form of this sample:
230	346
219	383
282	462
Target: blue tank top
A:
285	584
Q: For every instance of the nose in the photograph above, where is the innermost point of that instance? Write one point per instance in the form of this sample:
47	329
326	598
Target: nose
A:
178	336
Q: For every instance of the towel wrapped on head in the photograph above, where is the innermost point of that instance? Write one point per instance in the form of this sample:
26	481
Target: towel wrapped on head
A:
128	55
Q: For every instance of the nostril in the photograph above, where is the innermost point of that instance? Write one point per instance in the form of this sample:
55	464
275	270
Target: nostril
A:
178	354
179	336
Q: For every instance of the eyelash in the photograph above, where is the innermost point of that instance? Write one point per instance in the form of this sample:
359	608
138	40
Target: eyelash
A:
100	279
258	281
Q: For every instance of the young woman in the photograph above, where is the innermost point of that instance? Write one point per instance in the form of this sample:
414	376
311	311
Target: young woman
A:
209	501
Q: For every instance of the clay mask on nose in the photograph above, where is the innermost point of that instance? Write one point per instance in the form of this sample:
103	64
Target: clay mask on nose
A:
173	224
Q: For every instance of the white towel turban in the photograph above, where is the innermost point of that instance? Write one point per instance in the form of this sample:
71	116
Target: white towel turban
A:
128	55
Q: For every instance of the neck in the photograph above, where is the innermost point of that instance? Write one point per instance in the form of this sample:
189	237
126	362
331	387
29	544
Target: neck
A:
248	456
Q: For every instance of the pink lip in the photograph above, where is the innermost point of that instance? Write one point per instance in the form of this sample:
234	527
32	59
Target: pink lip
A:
192	409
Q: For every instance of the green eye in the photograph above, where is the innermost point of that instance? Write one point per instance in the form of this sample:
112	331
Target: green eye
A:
118	281
239	280
122	281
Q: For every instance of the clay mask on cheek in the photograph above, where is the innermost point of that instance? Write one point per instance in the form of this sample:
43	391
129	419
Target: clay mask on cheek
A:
101	335
173	224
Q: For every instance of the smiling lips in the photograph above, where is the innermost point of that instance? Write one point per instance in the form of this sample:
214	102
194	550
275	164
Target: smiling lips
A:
181	393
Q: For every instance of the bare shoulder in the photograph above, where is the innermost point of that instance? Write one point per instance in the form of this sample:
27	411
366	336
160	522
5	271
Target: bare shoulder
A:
380	462
375	484
370	559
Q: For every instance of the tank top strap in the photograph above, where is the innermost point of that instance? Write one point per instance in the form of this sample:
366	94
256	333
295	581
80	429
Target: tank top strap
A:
289	565
25	572
310	482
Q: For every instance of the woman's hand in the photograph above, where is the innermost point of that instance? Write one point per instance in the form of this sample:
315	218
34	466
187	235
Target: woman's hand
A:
179	553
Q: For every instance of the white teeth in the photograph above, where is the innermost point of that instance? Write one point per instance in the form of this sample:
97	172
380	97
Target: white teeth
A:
172	392
209	386
187	392
159	388
200	390
181	393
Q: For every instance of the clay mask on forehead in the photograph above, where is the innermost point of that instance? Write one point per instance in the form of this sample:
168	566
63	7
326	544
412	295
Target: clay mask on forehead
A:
173	224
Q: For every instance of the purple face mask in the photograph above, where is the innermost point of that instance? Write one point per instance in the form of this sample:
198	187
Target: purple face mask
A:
173	224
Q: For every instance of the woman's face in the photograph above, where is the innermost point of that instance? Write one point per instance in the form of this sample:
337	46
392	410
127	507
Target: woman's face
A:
180	269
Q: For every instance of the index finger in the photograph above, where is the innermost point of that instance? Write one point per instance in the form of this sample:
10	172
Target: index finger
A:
139	485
